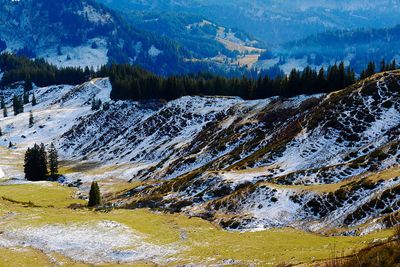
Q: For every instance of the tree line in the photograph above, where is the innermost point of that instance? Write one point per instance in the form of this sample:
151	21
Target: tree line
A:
130	82
38	71
134	83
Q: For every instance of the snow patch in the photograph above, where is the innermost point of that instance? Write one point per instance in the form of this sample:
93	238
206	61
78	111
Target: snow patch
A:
154	52
94	243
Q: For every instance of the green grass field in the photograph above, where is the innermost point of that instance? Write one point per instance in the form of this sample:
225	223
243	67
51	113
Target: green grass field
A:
41	204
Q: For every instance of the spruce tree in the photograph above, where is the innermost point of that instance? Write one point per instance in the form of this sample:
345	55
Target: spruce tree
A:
34	103
393	66
18	107
94	195
28	84
2	103
1	132
43	161
26	98
370	69
31	119
15	105
53	160
5	112
383	65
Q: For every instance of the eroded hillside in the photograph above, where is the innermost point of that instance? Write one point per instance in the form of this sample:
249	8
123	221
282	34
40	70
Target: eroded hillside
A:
321	163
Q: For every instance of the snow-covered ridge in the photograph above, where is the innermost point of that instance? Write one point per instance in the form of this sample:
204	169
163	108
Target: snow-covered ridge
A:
251	160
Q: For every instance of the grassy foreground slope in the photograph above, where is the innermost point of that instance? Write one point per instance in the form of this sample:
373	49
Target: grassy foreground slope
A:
44	205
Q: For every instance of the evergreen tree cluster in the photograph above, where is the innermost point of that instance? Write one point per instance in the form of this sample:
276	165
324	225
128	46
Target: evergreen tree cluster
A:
38	162
38	71
372	69
35	166
133	83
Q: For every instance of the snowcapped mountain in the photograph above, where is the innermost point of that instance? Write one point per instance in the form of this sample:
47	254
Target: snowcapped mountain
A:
320	163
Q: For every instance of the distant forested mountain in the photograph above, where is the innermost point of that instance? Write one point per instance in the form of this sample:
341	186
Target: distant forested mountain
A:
277	21
355	47
85	33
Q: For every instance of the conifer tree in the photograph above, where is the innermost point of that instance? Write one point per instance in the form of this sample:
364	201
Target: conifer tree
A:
2	103
94	195
18	107
383	65
31	119
5	112
53	160
393	66
28	84
43	160
370	69
34	103
26	98
1	132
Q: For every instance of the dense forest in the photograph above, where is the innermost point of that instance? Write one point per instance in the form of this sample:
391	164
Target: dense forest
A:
134	83
357	46
38	71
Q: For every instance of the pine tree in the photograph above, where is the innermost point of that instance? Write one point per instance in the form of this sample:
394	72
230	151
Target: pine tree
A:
34	103
94	195
26	98
370	69
321	81
5	112
43	161
21	105
10	145
393	66
18	107
2	103
1	132
53	160
383	65
31	119
15	105
28	84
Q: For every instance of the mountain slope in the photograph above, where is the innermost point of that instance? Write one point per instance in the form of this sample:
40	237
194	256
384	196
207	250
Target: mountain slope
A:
321	163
